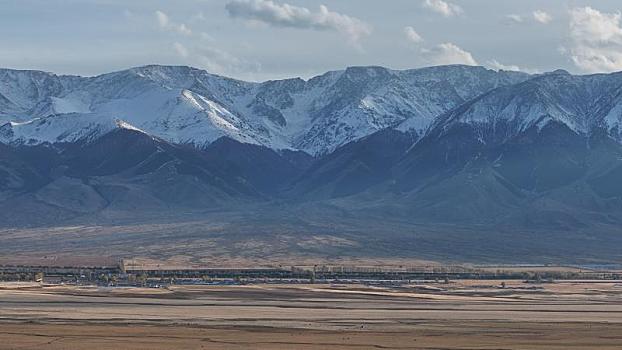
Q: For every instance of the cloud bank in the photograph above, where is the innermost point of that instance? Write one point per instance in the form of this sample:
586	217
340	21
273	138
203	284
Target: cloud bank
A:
542	17
412	35
448	53
596	40
165	23
197	49
494	64
444	8
289	16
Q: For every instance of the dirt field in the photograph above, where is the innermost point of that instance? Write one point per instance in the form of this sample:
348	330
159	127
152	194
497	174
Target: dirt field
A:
464	315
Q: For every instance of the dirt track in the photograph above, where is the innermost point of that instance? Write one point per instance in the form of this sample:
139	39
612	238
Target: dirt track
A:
466	315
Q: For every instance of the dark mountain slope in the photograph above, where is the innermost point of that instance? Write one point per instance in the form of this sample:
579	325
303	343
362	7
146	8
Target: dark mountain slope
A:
354	167
128	170
263	168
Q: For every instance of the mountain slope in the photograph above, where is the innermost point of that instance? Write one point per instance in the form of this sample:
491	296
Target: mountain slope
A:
354	167
534	153
127	172
582	103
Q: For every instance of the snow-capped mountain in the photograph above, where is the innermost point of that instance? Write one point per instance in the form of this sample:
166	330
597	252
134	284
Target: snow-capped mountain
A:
452	156
453	151
190	106
583	104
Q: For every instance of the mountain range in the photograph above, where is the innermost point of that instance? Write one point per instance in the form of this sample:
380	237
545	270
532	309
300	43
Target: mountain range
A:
526	165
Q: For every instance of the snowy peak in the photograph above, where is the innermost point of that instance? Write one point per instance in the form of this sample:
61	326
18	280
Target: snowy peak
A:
22	90
188	105
581	103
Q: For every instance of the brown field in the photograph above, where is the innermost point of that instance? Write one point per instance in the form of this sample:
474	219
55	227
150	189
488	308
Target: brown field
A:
460	315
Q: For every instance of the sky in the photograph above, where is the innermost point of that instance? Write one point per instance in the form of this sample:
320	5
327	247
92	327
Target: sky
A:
262	39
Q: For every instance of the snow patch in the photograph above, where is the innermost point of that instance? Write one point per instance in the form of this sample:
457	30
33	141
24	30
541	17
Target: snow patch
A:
69	105
125	125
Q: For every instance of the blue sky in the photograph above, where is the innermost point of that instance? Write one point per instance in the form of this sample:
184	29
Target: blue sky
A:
260	39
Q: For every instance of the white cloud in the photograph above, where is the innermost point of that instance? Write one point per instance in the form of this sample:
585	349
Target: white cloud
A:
446	9
494	64
183	29
542	17
537	16
499	66
448	53
165	23
162	18
215	60
199	51
285	15
181	50
596	40
219	61
589	24
412	35
514	18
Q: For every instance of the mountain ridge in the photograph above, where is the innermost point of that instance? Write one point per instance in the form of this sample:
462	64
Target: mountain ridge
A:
315	115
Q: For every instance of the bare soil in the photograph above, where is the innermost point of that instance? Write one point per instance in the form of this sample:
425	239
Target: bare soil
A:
460	315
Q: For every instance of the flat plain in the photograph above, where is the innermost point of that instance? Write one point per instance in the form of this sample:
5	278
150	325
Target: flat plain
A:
457	315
